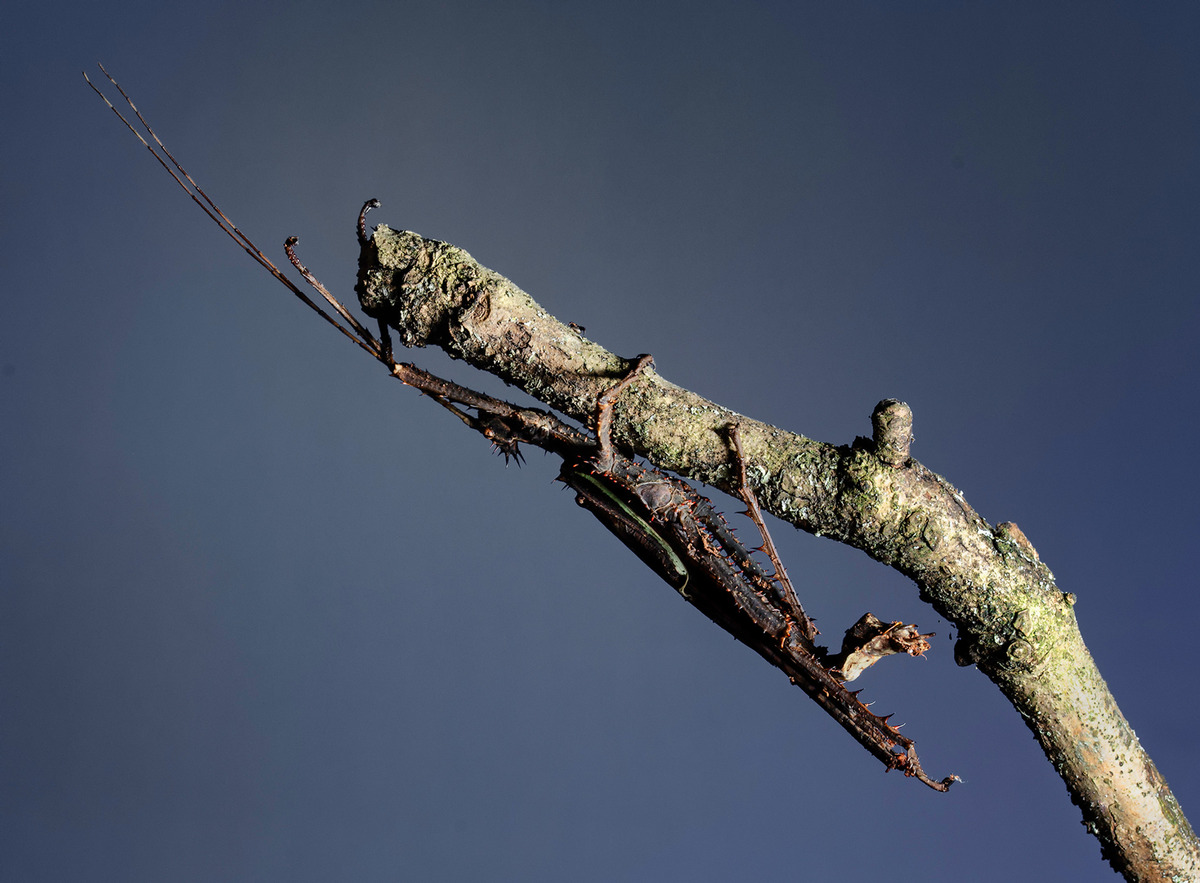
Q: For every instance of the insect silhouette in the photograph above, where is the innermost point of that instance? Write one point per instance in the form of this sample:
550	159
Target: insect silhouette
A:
670	526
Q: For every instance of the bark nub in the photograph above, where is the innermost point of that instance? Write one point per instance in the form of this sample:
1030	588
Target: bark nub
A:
892	421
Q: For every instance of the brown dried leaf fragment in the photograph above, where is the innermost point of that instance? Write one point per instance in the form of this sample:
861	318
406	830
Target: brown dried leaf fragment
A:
870	639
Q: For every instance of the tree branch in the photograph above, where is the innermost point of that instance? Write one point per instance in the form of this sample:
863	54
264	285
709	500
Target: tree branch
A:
1013	622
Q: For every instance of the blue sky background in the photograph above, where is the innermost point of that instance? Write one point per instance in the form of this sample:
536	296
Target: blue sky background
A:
267	615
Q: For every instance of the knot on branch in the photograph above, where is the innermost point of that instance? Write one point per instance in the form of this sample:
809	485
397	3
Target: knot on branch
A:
892	422
1010	530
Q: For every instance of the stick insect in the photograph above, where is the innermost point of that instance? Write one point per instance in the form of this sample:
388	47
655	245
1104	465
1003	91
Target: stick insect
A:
671	527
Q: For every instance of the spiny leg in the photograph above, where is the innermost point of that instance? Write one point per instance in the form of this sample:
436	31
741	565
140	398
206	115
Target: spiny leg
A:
385	336
604	404
362	220
385	345
289	246
795	612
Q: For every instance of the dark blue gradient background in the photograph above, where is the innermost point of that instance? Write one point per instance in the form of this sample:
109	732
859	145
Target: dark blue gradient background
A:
267	615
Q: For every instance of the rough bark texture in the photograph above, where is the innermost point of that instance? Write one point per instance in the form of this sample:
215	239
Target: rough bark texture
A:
1013	622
